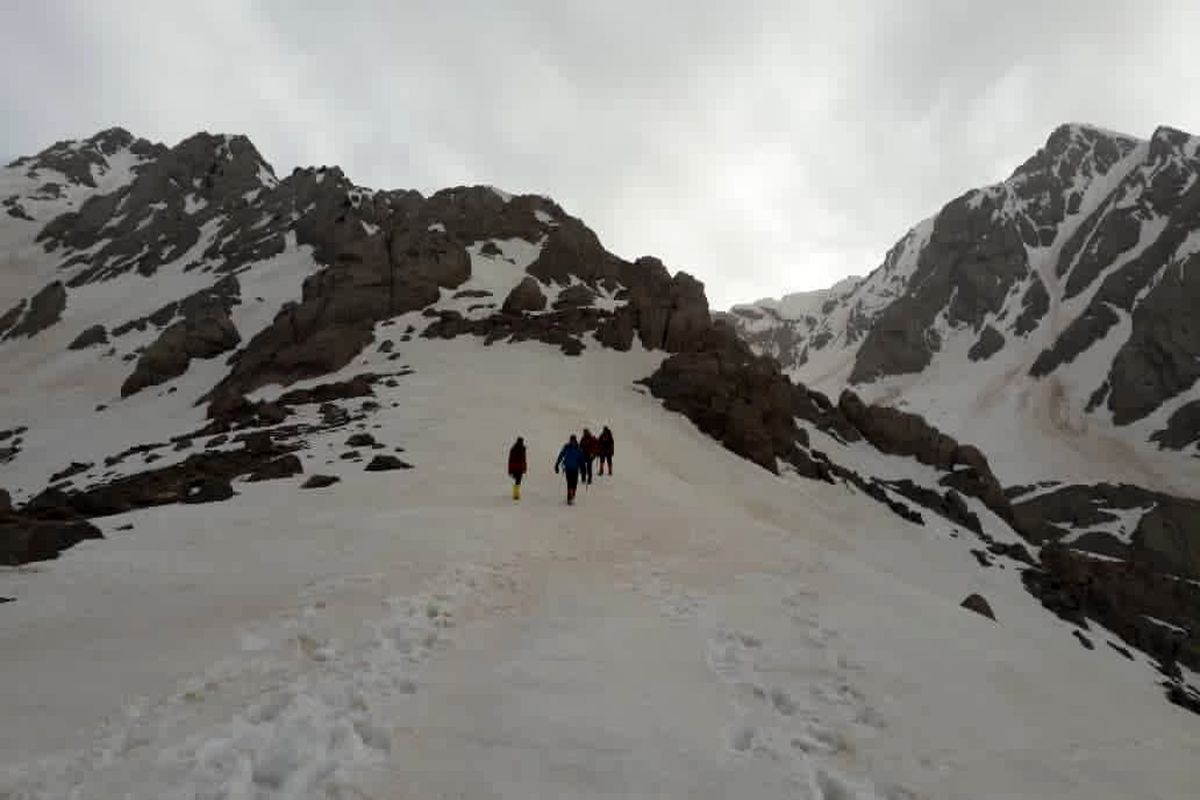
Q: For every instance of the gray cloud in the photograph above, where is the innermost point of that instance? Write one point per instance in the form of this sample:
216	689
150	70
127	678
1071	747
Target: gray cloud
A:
766	147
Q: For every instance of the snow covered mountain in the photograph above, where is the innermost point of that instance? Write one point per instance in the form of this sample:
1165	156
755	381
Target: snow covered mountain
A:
1052	318
260	545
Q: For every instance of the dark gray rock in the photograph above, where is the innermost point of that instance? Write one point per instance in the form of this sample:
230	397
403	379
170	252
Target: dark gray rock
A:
575	296
282	467
319	481
1034	305
383	463
966	270
1161	358
96	334
45	309
168	357
979	605
989	343
1183	428
526	296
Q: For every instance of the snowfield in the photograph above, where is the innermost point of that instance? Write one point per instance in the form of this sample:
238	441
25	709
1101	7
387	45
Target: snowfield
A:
693	627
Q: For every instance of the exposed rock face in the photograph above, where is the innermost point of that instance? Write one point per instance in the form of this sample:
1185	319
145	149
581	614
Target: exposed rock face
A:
525	296
1128	598
45	309
741	400
1090	248
1165	532
24	539
989	343
1160	359
576	296
966	270
94	335
79	161
1183	428
202	336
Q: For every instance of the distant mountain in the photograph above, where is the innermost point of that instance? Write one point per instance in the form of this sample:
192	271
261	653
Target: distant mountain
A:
1052	318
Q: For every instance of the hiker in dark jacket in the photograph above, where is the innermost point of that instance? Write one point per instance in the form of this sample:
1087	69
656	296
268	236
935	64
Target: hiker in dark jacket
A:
591	448
517	466
604	445
570	458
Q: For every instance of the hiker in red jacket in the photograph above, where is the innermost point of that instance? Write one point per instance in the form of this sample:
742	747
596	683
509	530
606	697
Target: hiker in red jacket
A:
605	450
516	466
591	448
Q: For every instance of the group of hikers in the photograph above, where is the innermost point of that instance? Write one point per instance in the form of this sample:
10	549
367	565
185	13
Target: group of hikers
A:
575	460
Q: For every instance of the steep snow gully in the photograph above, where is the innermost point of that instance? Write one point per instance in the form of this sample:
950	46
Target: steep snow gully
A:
688	629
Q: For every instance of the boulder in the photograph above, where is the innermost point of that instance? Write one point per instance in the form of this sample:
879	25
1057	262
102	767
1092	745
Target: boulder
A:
526	296
361	440
979	605
319	481
384	463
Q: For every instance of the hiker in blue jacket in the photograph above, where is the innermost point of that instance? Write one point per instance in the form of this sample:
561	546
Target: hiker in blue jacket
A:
570	458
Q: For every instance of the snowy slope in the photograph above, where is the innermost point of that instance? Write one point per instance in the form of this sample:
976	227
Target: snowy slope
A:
1048	319
691	628
695	626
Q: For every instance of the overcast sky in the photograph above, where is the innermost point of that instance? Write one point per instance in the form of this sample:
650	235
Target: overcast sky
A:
765	147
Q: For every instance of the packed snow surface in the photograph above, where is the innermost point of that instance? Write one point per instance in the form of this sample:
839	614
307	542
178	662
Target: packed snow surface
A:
693	627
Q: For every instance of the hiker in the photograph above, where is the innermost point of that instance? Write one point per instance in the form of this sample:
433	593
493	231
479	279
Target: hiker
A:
604	445
591	448
570	458
517	466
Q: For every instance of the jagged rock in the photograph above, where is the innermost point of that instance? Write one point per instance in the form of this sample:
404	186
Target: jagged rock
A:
1183	428
94	335
24	539
739	399
1156	613
383	463
168	357
575	296
1034	305
526	296
1168	537
208	489
270	413
979	605
10	317
361	440
1161	357
989	343
358	386
966	270
319	481
75	468
45	309
282	467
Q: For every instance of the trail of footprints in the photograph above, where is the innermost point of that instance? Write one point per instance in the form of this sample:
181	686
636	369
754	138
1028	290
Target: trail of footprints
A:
795	704
310	709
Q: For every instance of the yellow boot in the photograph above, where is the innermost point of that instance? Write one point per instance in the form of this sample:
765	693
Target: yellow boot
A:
516	491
